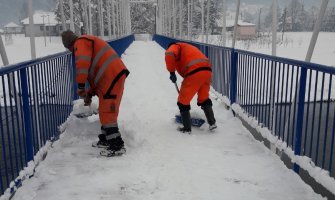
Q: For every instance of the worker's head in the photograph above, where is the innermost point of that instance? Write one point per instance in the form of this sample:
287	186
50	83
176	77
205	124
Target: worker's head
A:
68	39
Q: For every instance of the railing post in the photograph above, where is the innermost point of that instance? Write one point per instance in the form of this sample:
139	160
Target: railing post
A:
233	75
207	51
300	115
26	115
74	85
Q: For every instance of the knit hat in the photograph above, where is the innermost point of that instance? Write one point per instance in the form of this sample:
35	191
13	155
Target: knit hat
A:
68	38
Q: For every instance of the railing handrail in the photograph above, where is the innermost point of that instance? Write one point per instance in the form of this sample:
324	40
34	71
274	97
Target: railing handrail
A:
304	64
115	39
17	66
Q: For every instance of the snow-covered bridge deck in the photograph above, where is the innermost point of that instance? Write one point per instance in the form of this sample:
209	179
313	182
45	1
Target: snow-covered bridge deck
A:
160	163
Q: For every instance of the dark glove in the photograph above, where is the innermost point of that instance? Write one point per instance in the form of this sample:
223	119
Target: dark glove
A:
87	100
173	77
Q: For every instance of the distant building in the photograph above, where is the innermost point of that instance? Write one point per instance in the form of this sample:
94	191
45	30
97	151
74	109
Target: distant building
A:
1	32
245	30
12	28
44	23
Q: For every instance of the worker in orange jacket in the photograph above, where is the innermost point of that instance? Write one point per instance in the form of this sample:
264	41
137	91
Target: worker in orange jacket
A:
99	64
196	70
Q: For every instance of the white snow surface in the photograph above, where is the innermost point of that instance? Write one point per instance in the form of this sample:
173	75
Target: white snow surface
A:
160	162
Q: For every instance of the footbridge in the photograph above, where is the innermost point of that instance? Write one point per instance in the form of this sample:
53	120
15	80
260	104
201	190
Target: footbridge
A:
285	104
275	136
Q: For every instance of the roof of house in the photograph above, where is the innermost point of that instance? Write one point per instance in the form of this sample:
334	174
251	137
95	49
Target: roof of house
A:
12	25
231	23
49	18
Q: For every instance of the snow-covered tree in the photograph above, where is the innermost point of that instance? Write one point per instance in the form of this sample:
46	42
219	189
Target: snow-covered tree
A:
268	18
329	20
83	7
143	17
78	13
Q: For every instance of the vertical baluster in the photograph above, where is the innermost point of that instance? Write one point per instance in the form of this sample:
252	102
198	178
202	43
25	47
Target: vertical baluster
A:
290	107
22	117
258	104
300	113
27	116
41	104
307	111
36	106
320	119
282	102
247	67
56	101
327	119
272	69
50	72
253	84
314	108
294	108
19	126
228	73
4	151
13	133
277	125
32	110
9	144
287	102
330	165
268	82
263	92
233	77
244	70
241	80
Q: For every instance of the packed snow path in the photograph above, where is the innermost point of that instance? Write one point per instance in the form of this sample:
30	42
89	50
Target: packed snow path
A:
160	162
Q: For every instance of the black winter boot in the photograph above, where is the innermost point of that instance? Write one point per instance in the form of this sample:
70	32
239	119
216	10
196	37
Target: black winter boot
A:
114	139
102	143
115	142
208	110
186	118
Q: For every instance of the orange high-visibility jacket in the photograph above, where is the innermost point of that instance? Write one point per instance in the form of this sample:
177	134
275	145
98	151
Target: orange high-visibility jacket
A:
97	62
185	58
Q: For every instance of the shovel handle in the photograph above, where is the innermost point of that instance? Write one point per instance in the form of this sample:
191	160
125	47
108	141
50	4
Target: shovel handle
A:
177	88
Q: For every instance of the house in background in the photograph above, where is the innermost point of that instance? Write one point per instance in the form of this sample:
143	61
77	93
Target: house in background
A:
1	32
245	30
45	23
12	28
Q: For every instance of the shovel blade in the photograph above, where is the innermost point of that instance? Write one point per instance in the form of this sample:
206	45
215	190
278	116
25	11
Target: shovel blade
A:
197	122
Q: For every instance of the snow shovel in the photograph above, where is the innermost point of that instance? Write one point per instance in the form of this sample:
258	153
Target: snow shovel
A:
197	122
88	113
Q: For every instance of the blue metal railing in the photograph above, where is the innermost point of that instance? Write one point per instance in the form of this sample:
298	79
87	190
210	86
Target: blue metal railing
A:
293	99
33	103
35	98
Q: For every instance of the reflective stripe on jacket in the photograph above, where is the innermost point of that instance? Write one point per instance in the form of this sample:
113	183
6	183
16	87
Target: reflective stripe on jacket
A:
185	58
95	59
